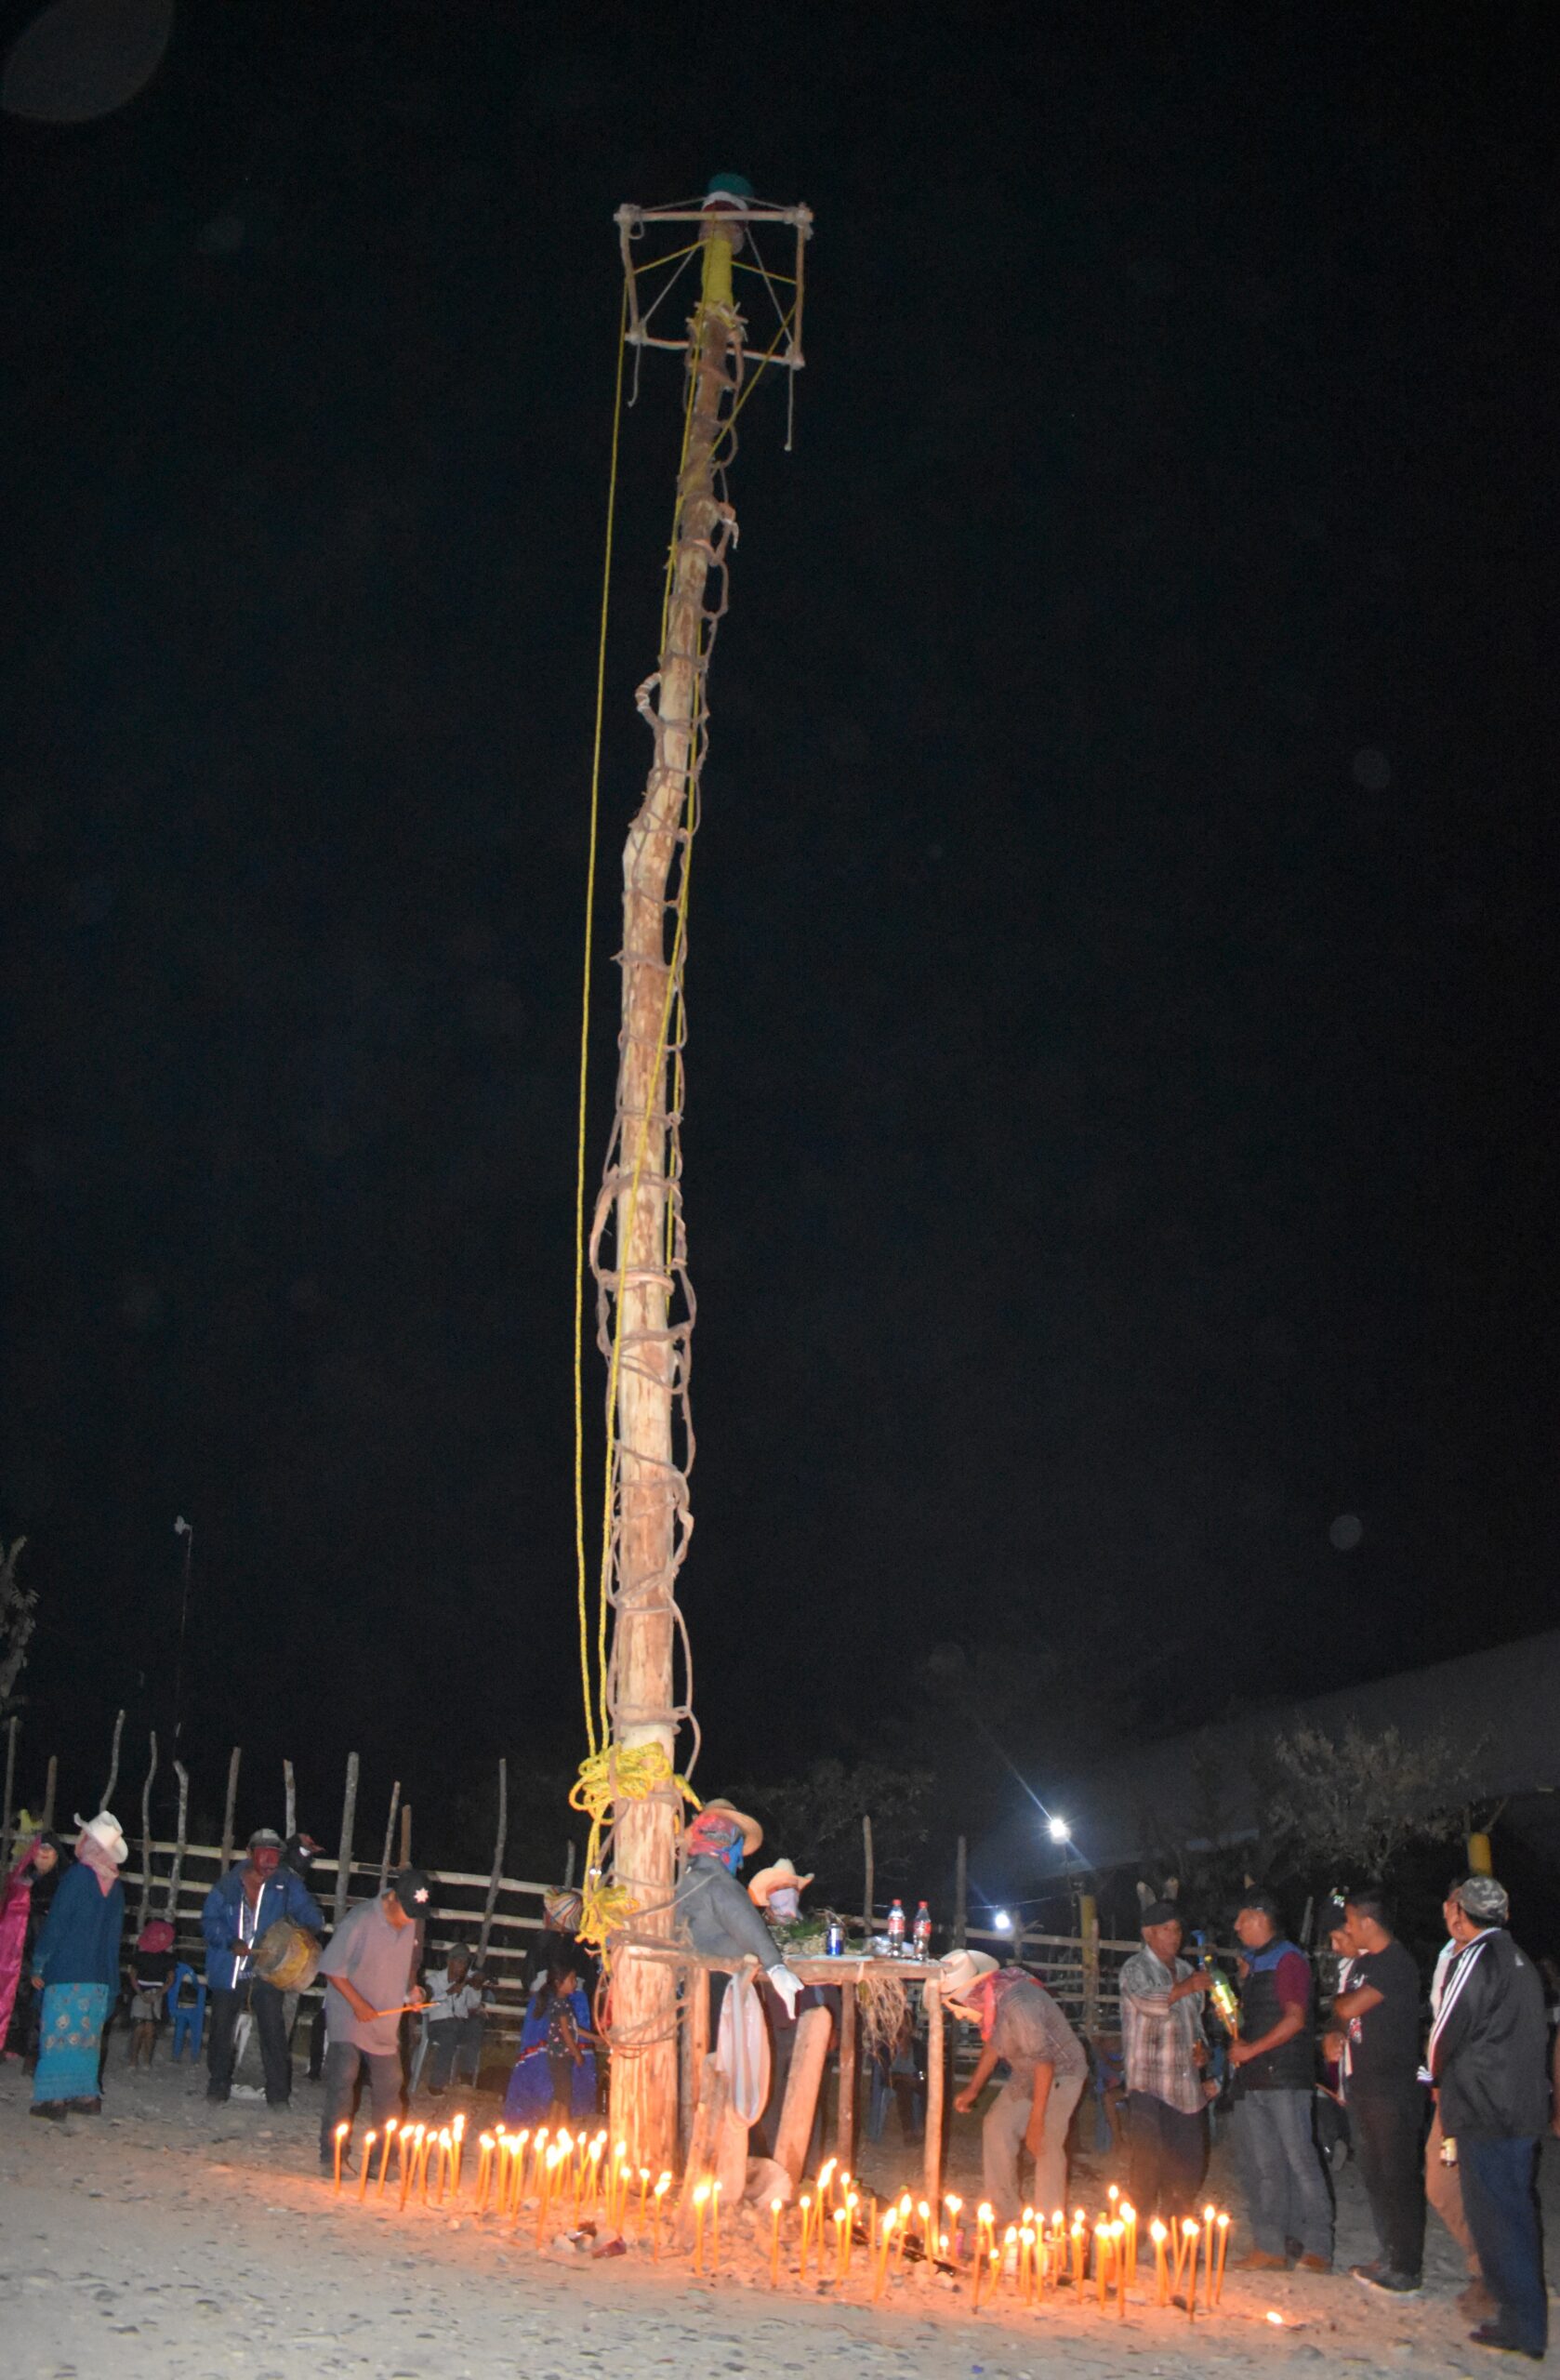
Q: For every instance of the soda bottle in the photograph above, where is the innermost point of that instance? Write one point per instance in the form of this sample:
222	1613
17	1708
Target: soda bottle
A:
897	1930
921	1933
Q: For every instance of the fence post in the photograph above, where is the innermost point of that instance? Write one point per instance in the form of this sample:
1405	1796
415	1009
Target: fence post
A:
390	1835
568	1867
10	1787
231	1805
290	1790
493	1881
961	1896
48	1791
174	1881
146	1837
1088	1926
866	1856
349	1812
107	1802
405	1859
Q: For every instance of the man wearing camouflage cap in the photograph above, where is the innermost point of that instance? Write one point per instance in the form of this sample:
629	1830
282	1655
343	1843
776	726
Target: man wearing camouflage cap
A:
1488	2066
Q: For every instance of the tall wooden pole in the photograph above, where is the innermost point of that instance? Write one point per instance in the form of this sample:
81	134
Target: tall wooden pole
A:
652	1491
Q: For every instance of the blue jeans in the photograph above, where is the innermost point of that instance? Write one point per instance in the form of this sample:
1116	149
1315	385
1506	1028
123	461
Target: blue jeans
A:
457	2042
1286	2196
1499	2199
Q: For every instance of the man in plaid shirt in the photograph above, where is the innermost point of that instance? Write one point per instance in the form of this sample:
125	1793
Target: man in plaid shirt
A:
1161	2025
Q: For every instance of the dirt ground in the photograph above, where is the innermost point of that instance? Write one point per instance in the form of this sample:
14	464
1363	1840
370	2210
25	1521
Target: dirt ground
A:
164	2241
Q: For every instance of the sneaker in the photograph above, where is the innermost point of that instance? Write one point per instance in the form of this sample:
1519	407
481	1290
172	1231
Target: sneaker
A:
1380	2276
52	2110
248	2090
1492	2334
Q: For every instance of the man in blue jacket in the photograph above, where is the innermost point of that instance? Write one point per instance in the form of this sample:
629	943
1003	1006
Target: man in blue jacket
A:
249	1899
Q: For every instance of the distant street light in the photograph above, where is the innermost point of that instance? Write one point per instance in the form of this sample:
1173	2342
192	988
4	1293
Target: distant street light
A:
1059	1830
1001	1921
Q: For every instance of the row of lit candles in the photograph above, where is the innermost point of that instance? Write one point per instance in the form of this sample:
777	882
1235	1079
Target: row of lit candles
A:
570	2178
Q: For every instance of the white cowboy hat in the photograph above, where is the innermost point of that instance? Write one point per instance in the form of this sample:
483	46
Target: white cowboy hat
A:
960	1971
105	1829
769	1880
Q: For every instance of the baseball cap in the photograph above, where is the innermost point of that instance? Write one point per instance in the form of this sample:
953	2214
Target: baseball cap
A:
413	1890
1483	1898
265	1838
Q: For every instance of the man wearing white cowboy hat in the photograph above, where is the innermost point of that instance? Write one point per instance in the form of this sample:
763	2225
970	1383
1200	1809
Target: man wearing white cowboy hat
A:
778	1890
1021	2023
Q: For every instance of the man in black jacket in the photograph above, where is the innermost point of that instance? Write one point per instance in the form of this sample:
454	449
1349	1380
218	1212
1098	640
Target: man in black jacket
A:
1487	2062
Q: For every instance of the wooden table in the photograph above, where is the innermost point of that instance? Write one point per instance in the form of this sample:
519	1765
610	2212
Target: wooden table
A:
845	1974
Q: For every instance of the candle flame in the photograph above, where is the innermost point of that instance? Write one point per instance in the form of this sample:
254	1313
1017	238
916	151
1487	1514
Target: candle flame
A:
1277	2319
701	2193
663	2185
775	2205
342	2130
1157	2231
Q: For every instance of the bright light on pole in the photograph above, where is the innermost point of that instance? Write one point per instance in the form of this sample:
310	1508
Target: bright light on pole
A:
1001	1921
1059	1831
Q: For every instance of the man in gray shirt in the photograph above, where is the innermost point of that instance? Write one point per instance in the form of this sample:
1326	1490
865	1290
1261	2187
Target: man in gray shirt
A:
1021	2025
369	1966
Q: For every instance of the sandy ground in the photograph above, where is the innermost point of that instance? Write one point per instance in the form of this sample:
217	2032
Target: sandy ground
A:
163	2238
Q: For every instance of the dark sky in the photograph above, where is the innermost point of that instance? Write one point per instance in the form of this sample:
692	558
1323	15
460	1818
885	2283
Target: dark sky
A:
1121	1126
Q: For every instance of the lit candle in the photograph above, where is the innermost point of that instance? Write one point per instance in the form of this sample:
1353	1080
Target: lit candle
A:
1191	2272
385	2154
826	2173
1077	2236
1188	2248
841	2235
446	2161
1129	2217
953	2204
644	2193
657	2195
806	2226
775	2205
1121	2270
341	2132
1157	2233
369	2139
1027	2264
1207	2215
701	2195
890	2220
409	2139
924	2211
980	2276
713	2226
1102	2259
1223	2251
484	2169
457	2133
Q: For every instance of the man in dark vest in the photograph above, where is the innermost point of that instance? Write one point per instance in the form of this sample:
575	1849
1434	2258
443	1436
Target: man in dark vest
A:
1274	2061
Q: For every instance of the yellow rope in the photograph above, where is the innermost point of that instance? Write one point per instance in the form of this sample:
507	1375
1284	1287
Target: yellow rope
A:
620	1773
585	1037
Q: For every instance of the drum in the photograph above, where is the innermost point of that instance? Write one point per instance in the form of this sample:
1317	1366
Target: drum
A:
288	1956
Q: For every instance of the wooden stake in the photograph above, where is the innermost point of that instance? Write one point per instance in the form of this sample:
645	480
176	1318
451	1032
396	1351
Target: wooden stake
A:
961	1895
230	1807
180	1843
290	1792
146	1837
107	1802
405	1859
349	1813
11	1725
868	1871
652	1491
390	1835
808	2055
497	1878
48	1792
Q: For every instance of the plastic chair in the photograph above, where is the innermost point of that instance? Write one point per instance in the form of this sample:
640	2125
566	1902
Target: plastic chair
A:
189	2022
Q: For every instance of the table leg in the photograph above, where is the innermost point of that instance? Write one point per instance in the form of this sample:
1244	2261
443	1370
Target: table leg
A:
936	2069
845	2128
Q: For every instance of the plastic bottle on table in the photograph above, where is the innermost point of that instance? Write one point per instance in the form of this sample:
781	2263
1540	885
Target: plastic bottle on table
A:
921	1933
897	1930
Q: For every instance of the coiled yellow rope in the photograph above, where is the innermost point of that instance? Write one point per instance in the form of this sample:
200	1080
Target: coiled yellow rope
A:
617	1772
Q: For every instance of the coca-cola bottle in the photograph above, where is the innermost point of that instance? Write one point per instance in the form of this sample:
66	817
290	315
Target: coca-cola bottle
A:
920	1933
897	1930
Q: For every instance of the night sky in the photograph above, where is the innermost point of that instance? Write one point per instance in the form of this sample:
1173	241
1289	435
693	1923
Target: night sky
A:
1121	1140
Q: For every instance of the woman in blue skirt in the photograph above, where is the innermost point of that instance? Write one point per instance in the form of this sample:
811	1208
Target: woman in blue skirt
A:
76	1967
554	2077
